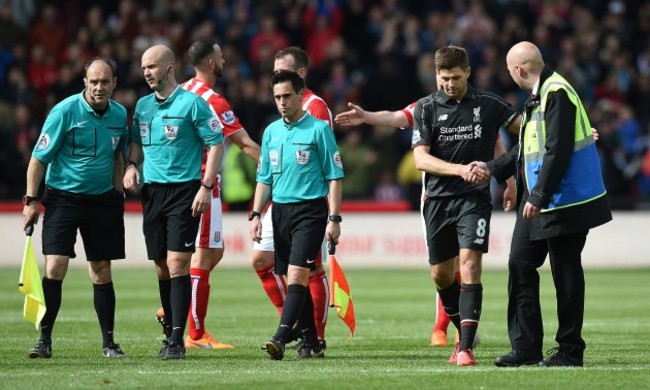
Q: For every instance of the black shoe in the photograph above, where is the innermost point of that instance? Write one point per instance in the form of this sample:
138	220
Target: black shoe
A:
295	334
163	350
42	349
561	358
274	348
175	351
298	346
163	321
307	352
113	351
516	358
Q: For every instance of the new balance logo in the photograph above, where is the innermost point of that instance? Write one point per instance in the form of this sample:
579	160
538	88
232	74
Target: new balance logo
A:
479	241
442	117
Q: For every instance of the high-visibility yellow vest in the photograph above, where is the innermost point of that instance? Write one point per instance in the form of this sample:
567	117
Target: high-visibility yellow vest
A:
582	181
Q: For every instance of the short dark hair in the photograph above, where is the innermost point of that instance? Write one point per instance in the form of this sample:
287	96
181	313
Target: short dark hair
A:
300	57
200	50
297	82
108	61
450	57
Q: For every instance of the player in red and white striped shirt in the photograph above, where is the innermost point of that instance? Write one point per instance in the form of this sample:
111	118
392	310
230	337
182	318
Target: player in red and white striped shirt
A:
206	58
296	60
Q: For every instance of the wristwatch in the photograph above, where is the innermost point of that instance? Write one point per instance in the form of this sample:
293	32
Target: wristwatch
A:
29	199
254	214
208	184
130	162
335	218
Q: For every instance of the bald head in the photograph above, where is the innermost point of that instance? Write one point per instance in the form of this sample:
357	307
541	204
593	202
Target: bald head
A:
525	64
526	54
159	53
158	68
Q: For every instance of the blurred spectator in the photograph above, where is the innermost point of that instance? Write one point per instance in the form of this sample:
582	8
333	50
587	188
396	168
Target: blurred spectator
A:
22	11
41	70
639	98
410	178
253	110
359	160
97	27
18	90
150	33
10	31
322	23
237	179
49	32
386	143
67	83
124	24
387	190
339	86
268	41
25	133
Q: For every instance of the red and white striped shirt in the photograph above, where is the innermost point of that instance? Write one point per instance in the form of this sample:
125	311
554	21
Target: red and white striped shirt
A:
218	104
220	108
316	107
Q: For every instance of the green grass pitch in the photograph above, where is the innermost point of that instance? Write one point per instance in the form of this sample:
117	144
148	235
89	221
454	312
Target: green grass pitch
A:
390	350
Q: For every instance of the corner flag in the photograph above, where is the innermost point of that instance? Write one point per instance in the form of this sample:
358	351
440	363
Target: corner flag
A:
30	283
340	295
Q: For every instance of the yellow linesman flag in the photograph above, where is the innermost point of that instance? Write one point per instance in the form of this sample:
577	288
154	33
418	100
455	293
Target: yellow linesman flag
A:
340	295
30	284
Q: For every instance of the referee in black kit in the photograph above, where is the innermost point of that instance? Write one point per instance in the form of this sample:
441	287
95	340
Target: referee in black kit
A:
299	164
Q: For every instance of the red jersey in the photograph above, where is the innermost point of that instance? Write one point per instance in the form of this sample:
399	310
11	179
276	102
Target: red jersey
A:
220	108
316	107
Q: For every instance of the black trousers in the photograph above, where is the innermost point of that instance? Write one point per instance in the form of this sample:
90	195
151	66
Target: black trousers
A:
525	326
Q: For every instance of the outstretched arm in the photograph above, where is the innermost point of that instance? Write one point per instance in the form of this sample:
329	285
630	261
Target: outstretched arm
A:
357	116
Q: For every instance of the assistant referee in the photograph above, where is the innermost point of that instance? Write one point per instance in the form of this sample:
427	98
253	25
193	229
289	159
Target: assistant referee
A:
81	146
299	164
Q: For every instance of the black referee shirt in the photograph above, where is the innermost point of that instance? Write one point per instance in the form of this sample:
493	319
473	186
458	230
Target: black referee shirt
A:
459	133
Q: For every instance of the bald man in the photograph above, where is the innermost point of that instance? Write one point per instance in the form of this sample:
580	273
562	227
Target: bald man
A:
171	127
563	197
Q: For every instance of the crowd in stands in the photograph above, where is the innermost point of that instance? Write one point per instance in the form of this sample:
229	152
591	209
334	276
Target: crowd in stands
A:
376	53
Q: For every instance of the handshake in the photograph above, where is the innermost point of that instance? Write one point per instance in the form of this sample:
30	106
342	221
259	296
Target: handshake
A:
476	172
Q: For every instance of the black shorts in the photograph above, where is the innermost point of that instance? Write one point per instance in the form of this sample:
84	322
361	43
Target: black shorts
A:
454	223
168	224
298	231
99	218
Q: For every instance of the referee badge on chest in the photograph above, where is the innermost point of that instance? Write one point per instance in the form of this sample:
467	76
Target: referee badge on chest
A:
274	158
302	156
171	132
144	130
116	141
